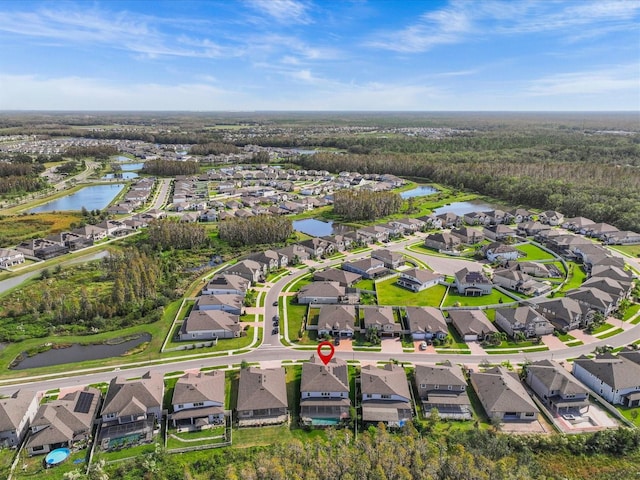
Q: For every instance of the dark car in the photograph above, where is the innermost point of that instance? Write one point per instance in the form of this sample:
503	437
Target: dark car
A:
275	304
274	331
336	341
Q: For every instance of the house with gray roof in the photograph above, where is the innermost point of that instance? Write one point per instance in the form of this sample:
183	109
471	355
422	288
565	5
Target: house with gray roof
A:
262	397
390	259
64	423
616	378
577	224
594	299
198	401
502	395
426	323
248	269
417	279
326	292
551	217
444	388
472	283
442	241
10	257
498	232
531	228
209	325
337	321
385	395
556	387
565	314
295	254
366	268
227	303
621	238
324	392
523	320
381	319
131	410
16	414
472	325
467	235
344	278
499	252
226	284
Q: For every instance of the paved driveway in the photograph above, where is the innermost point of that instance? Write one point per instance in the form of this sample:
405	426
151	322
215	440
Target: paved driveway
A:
391	345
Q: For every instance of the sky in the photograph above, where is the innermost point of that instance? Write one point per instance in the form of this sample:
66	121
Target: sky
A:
331	55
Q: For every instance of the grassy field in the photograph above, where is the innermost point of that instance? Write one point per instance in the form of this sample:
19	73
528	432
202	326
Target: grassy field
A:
391	294
16	228
365	284
533	253
455	299
632	250
631	311
577	276
295	314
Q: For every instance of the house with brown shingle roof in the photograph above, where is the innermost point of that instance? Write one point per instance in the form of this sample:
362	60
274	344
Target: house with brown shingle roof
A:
385	395
502	395
616	378
444	388
337	320
209	325
425	323
556	387
381	319
344	278
417	279
198	401
64	423
472	325
262	397
324	392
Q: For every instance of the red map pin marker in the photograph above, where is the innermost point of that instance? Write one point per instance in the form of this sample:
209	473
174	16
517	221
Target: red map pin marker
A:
325	357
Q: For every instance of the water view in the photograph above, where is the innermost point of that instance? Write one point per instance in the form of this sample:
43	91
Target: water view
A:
123	175
91	198
419	191
80	353
319	228
460	208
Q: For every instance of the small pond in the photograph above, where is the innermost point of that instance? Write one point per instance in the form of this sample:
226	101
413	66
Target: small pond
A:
123	175
419	191
80	353
92	198
319	228
460	208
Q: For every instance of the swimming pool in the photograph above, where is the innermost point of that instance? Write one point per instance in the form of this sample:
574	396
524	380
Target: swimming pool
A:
59	455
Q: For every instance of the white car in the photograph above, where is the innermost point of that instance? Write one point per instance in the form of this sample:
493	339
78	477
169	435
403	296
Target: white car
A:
423	346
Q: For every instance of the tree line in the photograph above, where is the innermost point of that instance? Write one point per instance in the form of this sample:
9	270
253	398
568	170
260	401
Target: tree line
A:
170	233
256	230
354	205
20	177
168	168
213	148
99	152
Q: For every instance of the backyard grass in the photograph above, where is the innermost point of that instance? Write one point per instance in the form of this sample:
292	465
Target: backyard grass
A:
212	436
494	298
533	253
391	294
576	277
365	284
130	452
33	467
631	414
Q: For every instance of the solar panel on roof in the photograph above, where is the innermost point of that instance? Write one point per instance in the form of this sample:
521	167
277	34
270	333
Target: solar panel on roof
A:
84	402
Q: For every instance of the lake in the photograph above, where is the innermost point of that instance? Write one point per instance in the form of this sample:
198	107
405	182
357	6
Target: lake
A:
92	198
419	191
460	208
80	353
320	228
123	175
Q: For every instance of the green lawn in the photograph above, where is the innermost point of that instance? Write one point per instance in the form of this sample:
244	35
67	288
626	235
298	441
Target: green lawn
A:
632	250
295	314
34	466
509	352
631	311
631	414
577	276
533	253
602	328
391	294
212	436
565	337
611	333
495	298
365	284
224	344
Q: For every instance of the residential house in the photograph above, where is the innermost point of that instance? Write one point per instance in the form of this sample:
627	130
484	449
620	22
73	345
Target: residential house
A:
577	224
499	252
209	325
325	292
226	284
541	270
295	254
556	387
262	397
373	234
472	325
340	242
16	413
385	395
132	410
531	228
476	218
613	287
431	221
366	268
622	238
41	248
271	259
622	276
337	321
344	278
551	217
565	313
594	299
444	388
426	323
472	284
316	247
92	232
497	217
519	215
442	241
518	281
227	303
616	378
523	320
198	401
600	230
467	235
10	257
409	225
324	392
249	269
392	260
417	279
64	423
498	232
502	395
381	319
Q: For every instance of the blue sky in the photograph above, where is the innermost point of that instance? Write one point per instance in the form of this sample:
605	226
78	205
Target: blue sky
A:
320	55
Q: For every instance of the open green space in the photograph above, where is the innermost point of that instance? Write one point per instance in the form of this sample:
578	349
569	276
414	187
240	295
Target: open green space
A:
576	277
610	333
533	253
391	294
295	318
631	250
454	299
631	311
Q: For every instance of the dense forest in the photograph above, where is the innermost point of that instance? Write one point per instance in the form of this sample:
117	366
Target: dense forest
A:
18	177
169	168
255	230
171	233
377	454
355	205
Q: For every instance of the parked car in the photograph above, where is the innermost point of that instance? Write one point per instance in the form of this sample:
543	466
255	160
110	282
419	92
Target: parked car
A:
275	304
423	346
336	341
275	331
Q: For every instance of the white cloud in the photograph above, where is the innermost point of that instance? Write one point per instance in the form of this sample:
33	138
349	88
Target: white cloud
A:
603	81
284	11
